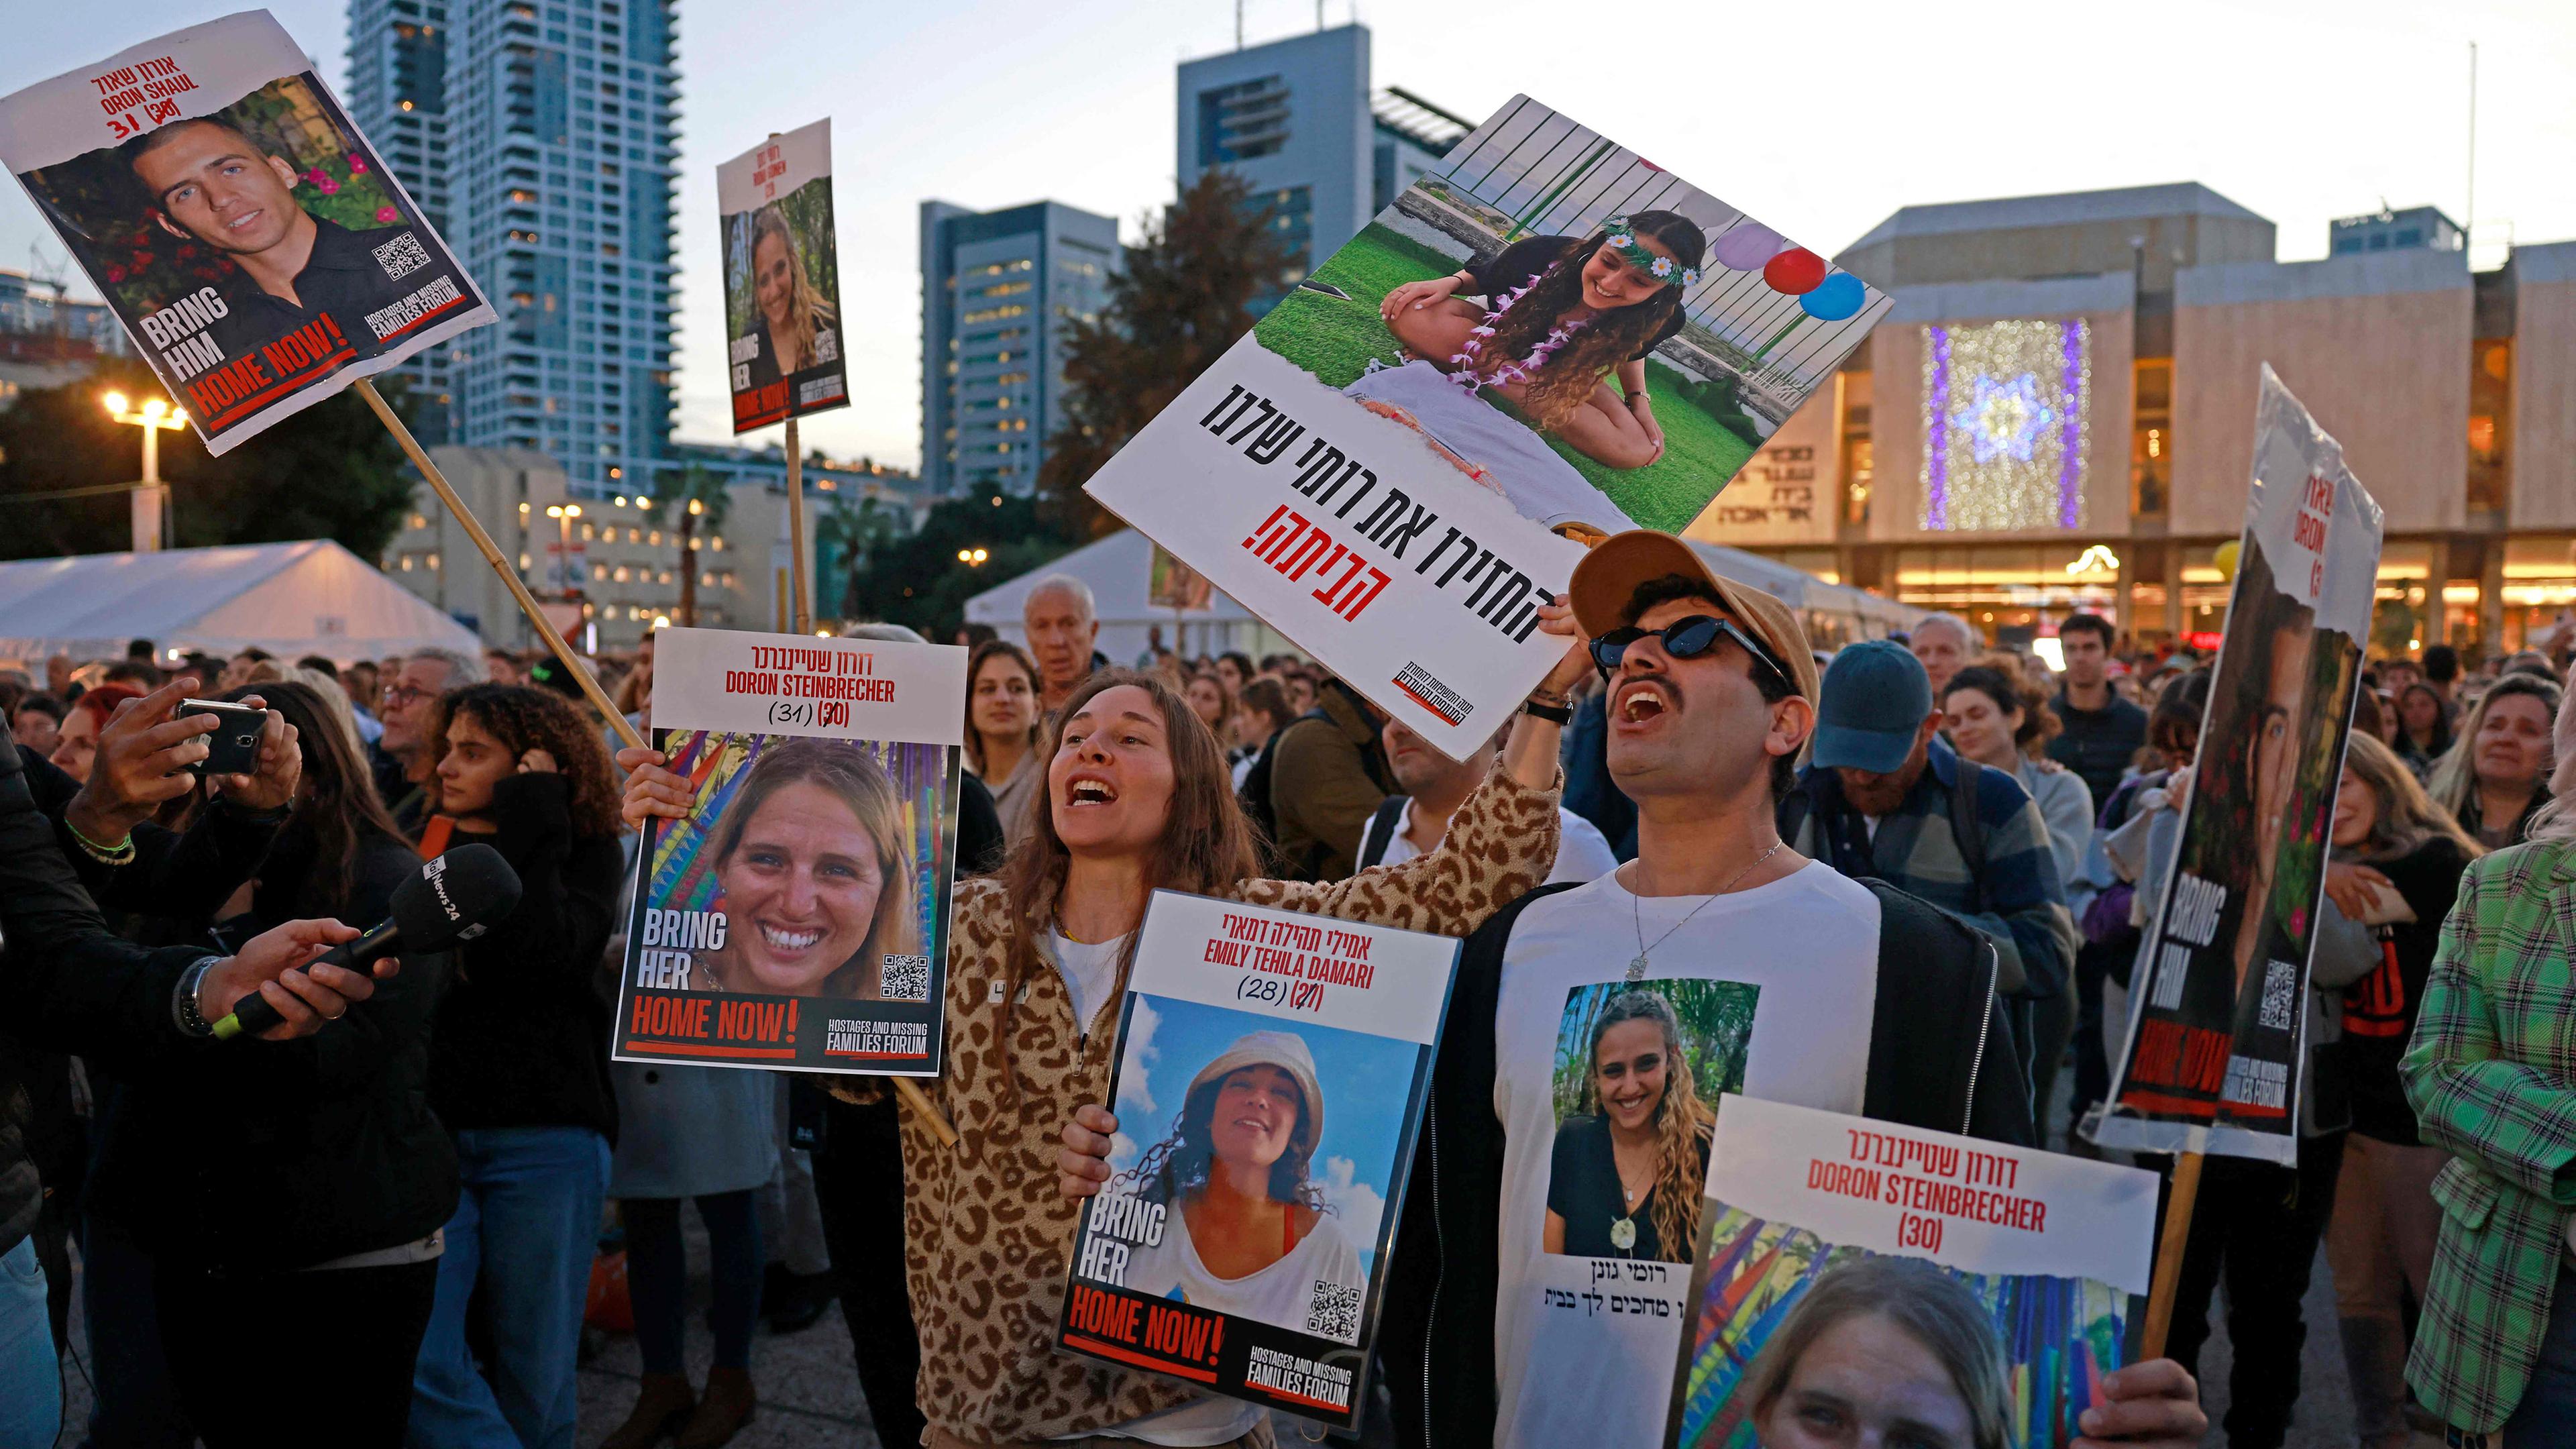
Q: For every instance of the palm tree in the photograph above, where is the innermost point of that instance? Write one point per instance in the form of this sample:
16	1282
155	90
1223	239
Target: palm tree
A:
683	496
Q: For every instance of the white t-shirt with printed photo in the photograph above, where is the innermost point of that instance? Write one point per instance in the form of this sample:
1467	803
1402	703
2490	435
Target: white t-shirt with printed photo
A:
1585	1348
1282	1294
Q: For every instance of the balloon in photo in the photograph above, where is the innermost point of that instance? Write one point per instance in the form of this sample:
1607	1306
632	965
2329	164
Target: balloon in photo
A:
1794	272
1747	247
1836	297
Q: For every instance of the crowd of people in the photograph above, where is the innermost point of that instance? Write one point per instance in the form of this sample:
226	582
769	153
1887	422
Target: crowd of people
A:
418	1176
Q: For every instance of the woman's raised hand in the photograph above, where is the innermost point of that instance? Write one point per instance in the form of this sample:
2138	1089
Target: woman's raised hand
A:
2352	888
537	762
652	790
1082	1164
1418	294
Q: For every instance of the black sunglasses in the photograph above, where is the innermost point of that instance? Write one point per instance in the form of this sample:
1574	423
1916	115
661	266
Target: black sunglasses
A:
1684	639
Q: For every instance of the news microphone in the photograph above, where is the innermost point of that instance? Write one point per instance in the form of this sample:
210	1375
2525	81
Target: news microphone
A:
453	899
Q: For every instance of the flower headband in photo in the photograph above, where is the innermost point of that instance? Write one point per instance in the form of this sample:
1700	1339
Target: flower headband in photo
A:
1623	240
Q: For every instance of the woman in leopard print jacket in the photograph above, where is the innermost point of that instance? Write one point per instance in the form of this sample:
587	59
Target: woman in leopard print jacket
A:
1139	800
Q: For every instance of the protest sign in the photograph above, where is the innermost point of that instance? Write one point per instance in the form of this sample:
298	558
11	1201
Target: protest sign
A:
2218	1021
2048	1253
1409	432
251	241
782	279
1289	1055
815	864
1172	584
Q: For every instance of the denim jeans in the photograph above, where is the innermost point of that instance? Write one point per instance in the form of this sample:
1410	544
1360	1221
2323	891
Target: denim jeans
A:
527	1227
31	1377
2546	1417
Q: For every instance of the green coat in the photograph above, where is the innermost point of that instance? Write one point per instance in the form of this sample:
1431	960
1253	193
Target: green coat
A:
2492	1076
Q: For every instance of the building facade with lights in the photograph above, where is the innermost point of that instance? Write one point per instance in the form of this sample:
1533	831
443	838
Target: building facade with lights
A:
1297	120
542	137
2058	414
614	563
997	288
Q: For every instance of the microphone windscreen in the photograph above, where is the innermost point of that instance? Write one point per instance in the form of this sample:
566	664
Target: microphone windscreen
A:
455	898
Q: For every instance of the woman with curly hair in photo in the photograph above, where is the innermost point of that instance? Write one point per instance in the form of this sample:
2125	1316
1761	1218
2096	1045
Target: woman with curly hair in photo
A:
1562	315
797	328
1627	1175
1248	1233
518	1063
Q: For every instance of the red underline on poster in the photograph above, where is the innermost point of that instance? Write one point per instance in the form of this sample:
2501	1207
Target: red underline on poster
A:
1426	704
1141	1360
444	308
1288	1398
2205	1111
709	1049
762	421
306	378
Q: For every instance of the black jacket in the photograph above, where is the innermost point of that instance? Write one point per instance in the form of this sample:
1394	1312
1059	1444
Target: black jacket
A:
72	987
325	1145
1940	1058
522	1035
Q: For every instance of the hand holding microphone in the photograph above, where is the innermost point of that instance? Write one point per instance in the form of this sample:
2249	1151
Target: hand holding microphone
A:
306	998
452	900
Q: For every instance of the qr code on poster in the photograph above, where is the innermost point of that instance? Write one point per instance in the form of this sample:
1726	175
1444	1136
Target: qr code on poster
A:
2280	996
402	256
906	978
1334	1311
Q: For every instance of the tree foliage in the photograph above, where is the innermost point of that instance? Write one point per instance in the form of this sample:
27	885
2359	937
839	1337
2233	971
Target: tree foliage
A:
915	578
330	471
1185	296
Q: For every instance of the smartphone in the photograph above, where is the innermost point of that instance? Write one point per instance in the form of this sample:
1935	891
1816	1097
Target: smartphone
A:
233	749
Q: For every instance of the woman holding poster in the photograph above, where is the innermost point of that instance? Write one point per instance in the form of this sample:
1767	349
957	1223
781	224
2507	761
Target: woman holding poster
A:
1138	798
1626	1178
817	877
1248	1233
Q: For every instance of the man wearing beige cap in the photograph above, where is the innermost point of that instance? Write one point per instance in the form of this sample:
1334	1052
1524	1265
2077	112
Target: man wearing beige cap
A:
1865	1001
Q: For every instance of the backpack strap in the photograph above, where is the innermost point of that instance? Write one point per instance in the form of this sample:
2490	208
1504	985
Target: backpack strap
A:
1381	830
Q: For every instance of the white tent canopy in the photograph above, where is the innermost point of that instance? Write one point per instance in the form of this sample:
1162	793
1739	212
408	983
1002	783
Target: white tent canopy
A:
291	599
1116	570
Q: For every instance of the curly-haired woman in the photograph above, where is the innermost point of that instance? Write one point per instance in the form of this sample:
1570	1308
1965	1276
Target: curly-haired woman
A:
1626	1177
1138	799
797	328
1562	315
1248	1233
518	1063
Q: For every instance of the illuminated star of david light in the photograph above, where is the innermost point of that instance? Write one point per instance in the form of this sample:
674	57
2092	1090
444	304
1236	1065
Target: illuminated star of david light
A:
2005	419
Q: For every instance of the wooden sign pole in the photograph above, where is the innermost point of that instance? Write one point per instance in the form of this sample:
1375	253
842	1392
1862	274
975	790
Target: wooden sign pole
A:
799	591
2169	1250
580	672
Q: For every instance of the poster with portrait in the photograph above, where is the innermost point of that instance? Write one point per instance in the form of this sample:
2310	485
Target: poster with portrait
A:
1172	584
254	245
782	279
1830	1244
2218	1017
1547	340
1271	1073
813	869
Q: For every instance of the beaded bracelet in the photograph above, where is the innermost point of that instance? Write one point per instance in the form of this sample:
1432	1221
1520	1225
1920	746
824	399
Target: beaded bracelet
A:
120	854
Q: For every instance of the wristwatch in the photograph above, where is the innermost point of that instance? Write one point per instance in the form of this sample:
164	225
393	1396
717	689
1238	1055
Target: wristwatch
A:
183	1007
1553	713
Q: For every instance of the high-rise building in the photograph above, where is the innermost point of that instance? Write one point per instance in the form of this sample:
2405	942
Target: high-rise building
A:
1297	121
398	96
545	148
997	288
2381	231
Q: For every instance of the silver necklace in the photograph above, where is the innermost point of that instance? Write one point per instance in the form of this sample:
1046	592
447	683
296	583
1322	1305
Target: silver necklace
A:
1637	967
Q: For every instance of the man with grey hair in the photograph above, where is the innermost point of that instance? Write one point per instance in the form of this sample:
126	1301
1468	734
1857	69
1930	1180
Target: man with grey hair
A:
1063	626
1942	642
403	709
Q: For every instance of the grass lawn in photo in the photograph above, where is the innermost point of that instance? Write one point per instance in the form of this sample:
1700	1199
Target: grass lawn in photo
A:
1335	339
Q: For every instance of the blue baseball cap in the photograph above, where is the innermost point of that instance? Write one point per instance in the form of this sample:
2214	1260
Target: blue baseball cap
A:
1875	699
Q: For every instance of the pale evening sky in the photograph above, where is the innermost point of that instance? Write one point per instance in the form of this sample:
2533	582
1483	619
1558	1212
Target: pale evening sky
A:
1820	120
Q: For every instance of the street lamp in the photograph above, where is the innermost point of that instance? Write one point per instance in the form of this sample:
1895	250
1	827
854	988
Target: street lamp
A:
151	500
972	557
563	514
